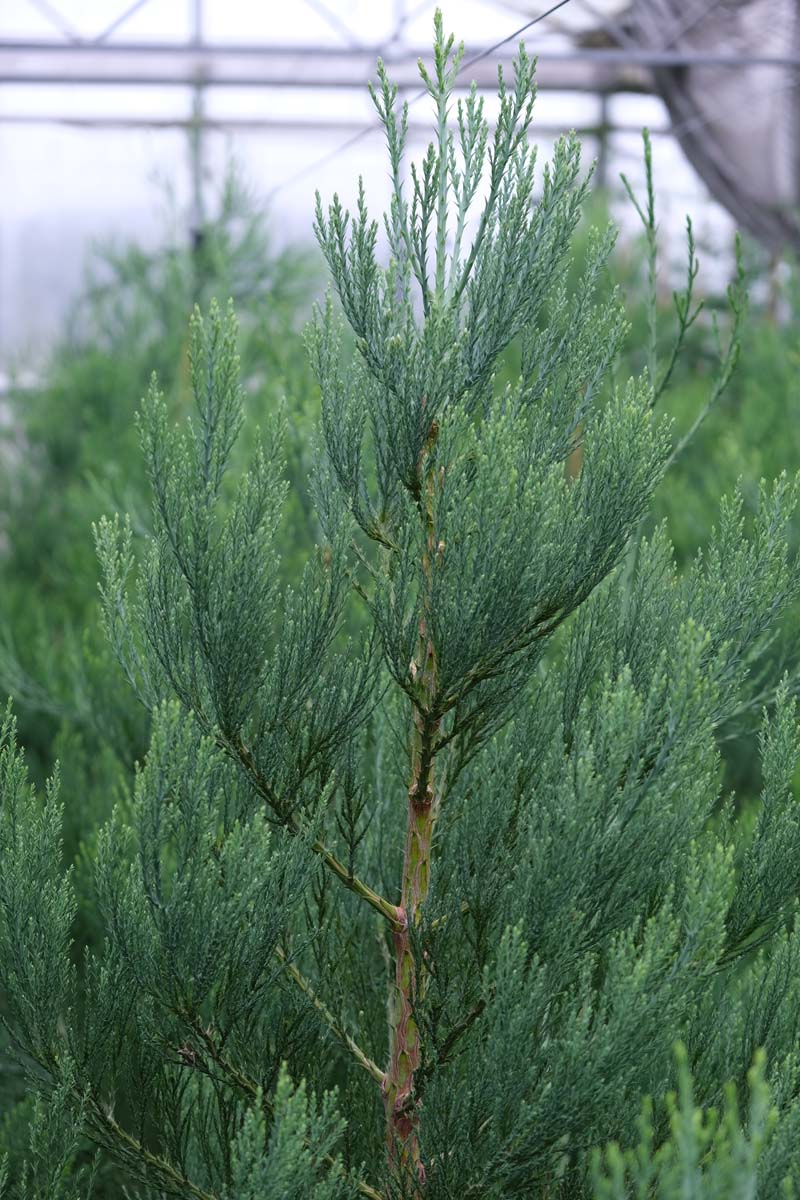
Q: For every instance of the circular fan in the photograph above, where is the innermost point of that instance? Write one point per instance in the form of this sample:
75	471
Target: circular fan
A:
738	126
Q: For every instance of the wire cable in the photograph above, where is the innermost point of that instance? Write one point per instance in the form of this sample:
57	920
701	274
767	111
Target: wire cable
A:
118	21
55	18
374	126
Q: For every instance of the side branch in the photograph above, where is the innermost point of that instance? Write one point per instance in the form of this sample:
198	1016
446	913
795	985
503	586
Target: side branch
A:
339	1033
353	883
447	1047
251	1089
169	1178
290	822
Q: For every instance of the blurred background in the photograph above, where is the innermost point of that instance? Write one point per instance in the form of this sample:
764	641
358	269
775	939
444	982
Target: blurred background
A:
116	116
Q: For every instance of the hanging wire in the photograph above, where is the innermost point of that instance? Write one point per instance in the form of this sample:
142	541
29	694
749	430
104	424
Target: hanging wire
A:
59	22
55	18
374	126
120	20
334	22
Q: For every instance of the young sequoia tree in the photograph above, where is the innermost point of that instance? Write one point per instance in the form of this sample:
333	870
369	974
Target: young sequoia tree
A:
423	912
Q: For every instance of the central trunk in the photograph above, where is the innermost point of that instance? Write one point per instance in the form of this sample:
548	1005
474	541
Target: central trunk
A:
399	1096
402	1115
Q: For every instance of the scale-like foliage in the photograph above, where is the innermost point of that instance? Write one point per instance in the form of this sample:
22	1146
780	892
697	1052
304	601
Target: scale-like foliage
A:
708	1156
458	863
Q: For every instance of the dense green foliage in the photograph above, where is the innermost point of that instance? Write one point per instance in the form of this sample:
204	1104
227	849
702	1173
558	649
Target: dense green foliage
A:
73	453
73	446
495	810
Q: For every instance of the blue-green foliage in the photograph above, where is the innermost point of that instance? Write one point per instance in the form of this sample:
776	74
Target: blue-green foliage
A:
297	1139
595	895
707	1156
70	452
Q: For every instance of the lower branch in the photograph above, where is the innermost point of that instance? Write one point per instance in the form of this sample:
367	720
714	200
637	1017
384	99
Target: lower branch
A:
252	1090
170	1180
340	1034
346	877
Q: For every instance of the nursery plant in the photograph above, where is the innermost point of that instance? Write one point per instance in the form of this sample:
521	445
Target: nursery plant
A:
69	453
455	906
69	448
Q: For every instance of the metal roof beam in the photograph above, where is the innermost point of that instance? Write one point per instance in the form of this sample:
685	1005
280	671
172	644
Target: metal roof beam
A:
280	66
